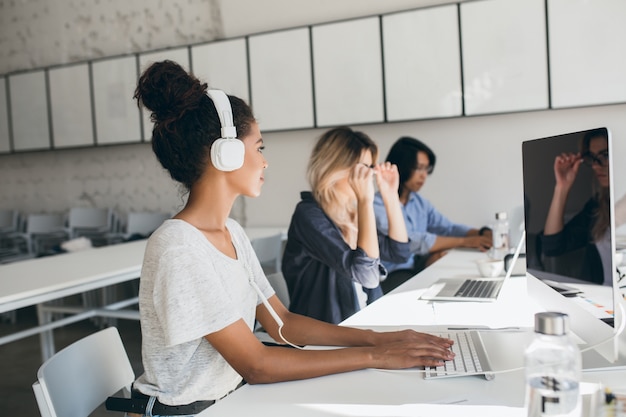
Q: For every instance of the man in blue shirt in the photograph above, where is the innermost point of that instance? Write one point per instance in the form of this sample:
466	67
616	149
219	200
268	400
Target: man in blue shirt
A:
430	233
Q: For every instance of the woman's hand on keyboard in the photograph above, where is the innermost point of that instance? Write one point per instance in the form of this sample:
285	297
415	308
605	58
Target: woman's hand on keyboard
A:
409	349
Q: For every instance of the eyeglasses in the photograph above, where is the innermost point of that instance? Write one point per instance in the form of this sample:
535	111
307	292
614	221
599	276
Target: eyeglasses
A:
428	169
601	158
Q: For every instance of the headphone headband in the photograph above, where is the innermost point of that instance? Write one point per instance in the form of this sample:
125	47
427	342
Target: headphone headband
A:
227	152
225	113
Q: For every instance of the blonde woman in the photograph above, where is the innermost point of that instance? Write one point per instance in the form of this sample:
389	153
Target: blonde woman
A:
332	260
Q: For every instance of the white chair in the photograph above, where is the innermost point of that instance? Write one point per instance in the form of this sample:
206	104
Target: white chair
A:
10	247
140	224
282	292
280	286
90	222
144	222
42	231
8	221
269	250
78	379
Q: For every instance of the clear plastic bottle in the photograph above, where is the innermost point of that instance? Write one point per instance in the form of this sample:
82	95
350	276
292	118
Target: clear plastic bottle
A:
553	367
500	233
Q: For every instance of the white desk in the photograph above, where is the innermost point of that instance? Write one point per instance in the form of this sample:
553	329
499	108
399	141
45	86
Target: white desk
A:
37	281
405	393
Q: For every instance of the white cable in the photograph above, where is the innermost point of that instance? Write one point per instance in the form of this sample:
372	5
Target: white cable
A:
272	312
615	334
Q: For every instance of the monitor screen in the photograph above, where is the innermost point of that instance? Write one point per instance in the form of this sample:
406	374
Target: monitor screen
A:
568	212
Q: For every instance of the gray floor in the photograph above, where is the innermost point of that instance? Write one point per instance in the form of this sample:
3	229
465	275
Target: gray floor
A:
20	360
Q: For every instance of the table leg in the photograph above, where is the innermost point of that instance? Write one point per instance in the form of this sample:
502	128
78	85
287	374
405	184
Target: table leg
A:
46	338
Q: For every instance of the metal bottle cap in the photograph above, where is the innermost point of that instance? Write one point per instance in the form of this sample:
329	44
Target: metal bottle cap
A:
552	323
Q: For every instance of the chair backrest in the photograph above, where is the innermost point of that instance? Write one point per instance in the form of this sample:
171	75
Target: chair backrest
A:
78	379
280	286
144	222
269	251
89	218
8	221
45	223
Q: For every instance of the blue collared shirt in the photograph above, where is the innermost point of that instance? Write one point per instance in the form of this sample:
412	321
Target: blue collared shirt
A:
423	224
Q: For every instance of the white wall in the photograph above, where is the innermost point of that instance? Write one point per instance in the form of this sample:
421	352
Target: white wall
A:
243	17
479	167
38	33
479	158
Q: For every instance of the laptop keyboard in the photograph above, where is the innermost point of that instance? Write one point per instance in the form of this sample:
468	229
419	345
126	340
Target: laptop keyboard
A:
470	358
478	288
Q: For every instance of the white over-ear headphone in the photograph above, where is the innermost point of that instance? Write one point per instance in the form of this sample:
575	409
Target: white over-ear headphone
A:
227	152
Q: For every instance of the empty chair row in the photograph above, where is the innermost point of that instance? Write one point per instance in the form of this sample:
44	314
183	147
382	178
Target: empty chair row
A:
38	233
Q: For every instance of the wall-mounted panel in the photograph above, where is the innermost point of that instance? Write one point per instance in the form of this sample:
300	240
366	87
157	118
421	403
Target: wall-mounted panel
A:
587	52
178	55
70	102
5	143
422	64
504	56
117	114
29	111
281	79
347	71
223	65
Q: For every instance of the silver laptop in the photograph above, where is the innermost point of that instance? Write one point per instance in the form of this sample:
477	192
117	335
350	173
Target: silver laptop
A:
471	289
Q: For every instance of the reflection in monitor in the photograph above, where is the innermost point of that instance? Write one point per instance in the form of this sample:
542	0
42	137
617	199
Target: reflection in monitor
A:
570	242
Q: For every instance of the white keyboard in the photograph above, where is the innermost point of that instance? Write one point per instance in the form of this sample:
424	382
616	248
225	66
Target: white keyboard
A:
471	357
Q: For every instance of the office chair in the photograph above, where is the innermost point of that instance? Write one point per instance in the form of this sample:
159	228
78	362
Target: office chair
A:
139	224
282	292
280	286
11	242
78	379
42	232
269	252
90	222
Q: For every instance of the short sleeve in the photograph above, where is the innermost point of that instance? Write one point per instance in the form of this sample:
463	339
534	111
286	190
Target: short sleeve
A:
189	297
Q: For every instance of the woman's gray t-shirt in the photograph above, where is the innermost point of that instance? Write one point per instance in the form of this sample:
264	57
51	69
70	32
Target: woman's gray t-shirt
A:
189	289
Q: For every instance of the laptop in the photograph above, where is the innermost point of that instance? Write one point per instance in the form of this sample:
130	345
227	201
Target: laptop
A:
473	288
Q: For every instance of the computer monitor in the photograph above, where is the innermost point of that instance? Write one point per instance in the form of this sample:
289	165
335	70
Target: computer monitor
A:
570	235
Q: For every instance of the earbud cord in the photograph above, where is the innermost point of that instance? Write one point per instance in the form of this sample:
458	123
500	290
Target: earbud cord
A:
271	310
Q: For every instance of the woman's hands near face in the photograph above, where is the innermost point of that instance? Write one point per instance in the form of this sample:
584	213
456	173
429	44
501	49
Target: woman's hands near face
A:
566	168
387	179
360	179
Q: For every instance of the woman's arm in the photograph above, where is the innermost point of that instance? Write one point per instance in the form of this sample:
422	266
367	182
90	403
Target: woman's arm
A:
388	179
313	234
565	171
361	182
261	364
482	243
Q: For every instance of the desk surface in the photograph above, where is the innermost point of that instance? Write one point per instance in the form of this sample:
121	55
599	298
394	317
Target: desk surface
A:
34	281
405	393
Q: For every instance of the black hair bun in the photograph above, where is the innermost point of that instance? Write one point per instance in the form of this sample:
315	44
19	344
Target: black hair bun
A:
168	91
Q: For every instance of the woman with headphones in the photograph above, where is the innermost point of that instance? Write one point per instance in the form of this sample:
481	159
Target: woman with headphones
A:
201	285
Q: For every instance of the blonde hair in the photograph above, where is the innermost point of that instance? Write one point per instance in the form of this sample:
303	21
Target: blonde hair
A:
336	152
